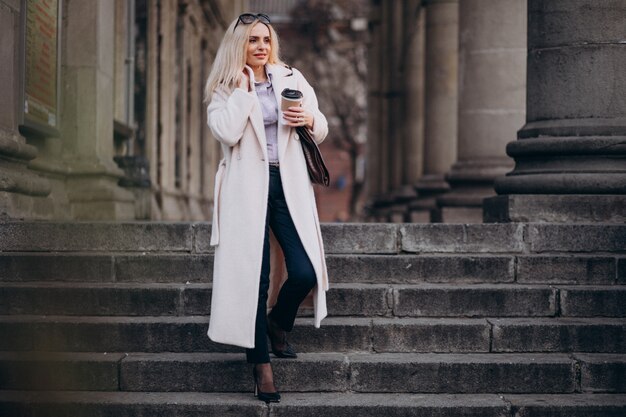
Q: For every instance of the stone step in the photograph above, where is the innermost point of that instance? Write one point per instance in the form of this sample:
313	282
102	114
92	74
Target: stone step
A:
416	300
578	405
584	301
193	237
345	404
337	334
316	372
558	335
188	334
395	268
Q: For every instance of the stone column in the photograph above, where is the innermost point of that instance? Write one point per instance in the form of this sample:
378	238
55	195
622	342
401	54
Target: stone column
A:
570	157
440	124
197	206
168	192
87	117
399	137
492	102
410	125
396	107
22	192
414	92
380	65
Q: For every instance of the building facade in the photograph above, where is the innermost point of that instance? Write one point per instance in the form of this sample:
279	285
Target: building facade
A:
454	83
102	114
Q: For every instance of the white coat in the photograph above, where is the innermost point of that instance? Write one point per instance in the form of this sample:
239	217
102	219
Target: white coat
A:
240	206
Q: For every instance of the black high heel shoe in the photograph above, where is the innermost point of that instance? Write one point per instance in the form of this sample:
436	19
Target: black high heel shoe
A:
288	351
268	397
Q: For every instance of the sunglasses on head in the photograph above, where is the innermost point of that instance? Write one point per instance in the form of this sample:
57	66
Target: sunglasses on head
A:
248	18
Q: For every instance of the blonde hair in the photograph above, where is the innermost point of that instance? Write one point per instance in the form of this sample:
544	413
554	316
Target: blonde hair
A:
231	57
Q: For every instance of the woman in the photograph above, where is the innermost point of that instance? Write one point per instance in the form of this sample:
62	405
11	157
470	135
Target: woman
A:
262	193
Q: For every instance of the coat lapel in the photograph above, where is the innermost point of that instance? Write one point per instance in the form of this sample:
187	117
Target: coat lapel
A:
256	118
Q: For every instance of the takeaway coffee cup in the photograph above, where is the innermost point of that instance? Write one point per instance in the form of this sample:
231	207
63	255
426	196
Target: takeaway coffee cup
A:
290	98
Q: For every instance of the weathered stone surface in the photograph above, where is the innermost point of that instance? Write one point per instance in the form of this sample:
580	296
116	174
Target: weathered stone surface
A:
390	405
358	300
336	334
116	404
188	334
621	271
587	301
17	334
214	372
125	334
480	238
342	299
89	299
202	237
221	372
196	299
167	267
155	311
484	128
197	404
561	54
316	372
473	300
430	335
55	267
166	334
602	372
95	236
554	208
360	238
577	238
59	371
559	335
559	405
420	268
164	268
573	21
462	373
566	269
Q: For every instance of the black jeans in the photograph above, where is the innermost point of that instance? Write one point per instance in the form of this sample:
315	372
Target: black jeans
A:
301	275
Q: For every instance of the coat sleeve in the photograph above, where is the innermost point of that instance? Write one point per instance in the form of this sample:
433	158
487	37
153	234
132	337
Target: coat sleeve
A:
309	102
227	114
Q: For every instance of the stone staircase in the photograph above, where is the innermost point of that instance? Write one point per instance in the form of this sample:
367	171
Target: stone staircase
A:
508	320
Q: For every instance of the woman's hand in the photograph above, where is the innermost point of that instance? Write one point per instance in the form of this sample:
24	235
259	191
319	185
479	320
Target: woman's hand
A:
297	116
244	80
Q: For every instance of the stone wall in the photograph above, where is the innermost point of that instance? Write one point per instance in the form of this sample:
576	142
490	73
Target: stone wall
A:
131	140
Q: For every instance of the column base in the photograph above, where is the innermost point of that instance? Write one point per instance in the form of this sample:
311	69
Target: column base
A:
463	205
23	193
174	204
399	209
425	209
553	208
99	197
461	214
15	206
471	182
566	165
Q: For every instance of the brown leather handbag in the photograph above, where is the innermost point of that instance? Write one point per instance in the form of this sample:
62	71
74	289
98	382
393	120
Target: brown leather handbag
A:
314	161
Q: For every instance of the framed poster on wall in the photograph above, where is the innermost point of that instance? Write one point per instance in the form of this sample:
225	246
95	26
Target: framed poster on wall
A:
41	56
